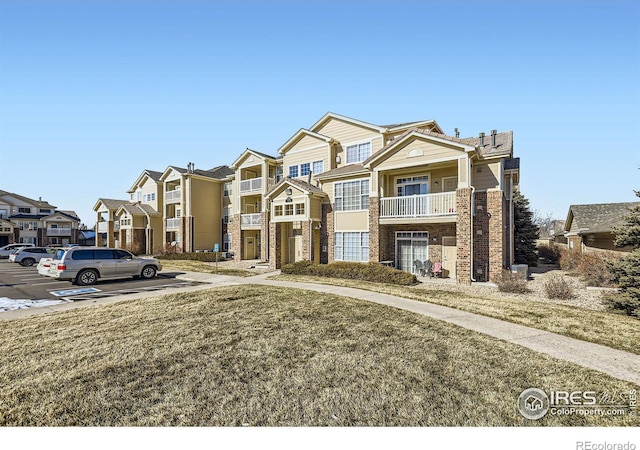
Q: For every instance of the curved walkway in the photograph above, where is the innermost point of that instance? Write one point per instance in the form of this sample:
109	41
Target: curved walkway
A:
616	363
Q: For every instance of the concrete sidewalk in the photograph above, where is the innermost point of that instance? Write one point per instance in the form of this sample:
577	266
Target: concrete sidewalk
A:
617	363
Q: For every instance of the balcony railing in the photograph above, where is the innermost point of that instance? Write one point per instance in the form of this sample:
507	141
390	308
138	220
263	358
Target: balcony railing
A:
174	224
173	196
250	219
58	231
103	227
116	225
426	205
255	184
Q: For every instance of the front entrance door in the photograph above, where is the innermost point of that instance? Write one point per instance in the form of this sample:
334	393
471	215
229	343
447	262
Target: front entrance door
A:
295	249
449	257
250	248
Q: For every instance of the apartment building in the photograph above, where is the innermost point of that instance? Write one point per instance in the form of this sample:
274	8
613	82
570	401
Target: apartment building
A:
341	190
25	220
179	209
393	194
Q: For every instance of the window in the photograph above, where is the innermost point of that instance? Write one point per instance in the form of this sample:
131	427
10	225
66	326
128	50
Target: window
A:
412	185
4	213
178	213
33	226
45	211
227	190
351	195
352	246
24	210
139	196
305	169
288	209
299	208
153	196
278	173
277	210
293	171
318	167
358	152
226	242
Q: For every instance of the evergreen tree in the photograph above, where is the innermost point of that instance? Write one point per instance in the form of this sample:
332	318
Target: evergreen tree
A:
525	231
626	270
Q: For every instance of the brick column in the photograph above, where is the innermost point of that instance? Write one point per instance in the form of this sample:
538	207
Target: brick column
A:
236	236
463	235
275	255
495	210
306	239
374	229
264	232
326	234
110	231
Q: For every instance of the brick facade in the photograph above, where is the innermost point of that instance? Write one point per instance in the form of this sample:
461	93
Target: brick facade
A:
387	243
275	242
326	235
495	210
236	237
264	232
480	237
463	235
306	239
374	229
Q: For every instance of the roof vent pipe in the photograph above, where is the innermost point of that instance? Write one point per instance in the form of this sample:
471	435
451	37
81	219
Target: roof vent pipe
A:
493	138
457	133
482	138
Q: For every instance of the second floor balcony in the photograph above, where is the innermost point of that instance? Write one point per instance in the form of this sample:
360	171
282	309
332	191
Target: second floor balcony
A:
419	206
250	221
255	185
59	231
173	196
174	223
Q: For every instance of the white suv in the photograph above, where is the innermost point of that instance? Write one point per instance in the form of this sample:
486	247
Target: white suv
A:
28	256
7	249
84	265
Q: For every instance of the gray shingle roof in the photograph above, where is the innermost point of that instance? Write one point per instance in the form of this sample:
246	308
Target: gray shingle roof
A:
36	203
112	203
340	171
298	183
598	218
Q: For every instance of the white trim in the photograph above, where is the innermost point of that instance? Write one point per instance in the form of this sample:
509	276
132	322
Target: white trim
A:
331	115
411	175
423	239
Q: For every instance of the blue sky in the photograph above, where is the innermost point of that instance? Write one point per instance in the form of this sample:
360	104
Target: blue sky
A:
92	93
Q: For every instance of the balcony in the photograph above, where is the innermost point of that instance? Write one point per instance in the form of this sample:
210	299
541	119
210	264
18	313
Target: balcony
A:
174	224
58	231
250	221
103	227
173	196
255	185
419	206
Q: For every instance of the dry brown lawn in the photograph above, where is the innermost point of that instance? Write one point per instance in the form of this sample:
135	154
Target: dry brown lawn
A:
600	327
204	267
266	356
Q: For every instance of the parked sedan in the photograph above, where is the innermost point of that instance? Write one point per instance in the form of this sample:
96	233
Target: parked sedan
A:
28	256
85	265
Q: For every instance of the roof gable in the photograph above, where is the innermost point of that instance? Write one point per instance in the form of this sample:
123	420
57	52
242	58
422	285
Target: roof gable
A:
413	136
108	203
333	116
303	186
250	153
146	174
302	132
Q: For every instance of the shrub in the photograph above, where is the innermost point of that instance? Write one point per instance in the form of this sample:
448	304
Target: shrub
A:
557	287
511	282
626	274
594	270
371	272
569	259
136	249
549	252
202	256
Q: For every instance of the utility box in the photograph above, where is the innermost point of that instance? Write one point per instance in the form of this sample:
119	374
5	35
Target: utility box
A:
522	270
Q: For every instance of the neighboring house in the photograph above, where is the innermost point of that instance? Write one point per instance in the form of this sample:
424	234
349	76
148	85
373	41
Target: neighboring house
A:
592	226
341	190
87	237
25	220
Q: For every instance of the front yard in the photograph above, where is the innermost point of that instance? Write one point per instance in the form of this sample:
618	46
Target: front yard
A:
265	356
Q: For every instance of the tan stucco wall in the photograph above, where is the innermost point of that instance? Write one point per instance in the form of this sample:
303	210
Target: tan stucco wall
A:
422	152
206	209
351	220
347	134
486	175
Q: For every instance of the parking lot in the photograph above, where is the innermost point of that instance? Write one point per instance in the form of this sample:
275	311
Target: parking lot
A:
17	282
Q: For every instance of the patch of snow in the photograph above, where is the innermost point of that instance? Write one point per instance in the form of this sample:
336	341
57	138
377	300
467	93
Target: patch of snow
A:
9	304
